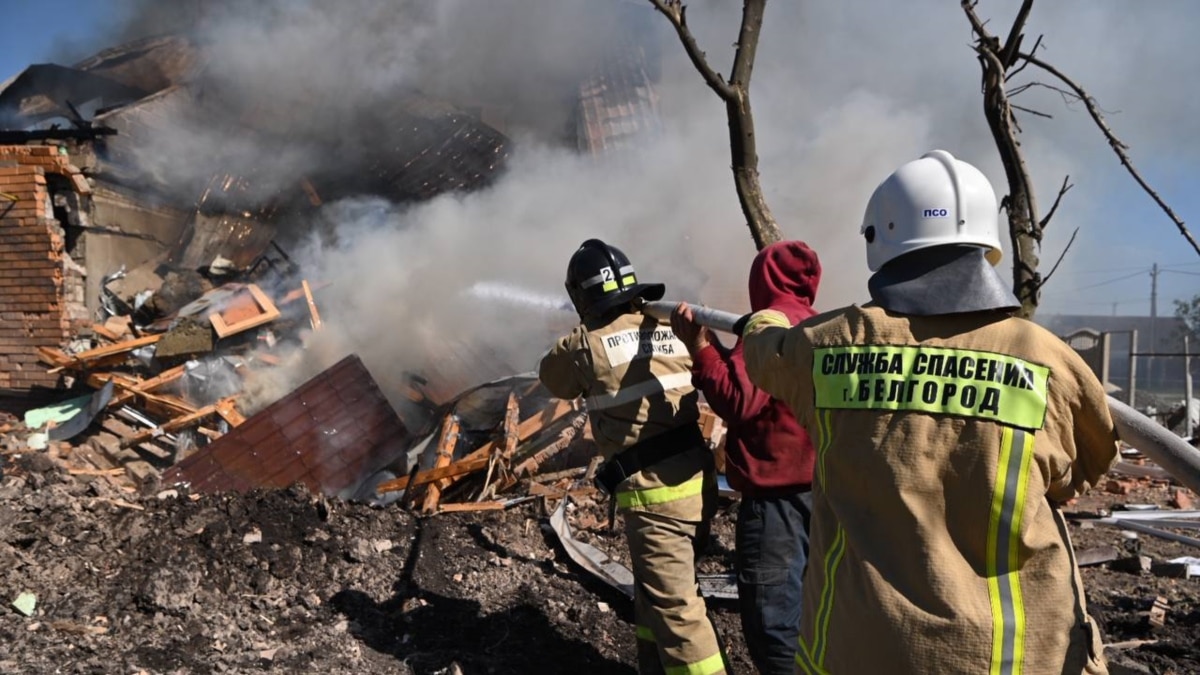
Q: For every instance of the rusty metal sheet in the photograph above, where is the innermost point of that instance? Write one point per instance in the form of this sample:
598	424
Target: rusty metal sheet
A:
330	434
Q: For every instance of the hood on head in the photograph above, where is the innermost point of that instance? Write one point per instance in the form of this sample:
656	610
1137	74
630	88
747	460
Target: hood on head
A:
785	276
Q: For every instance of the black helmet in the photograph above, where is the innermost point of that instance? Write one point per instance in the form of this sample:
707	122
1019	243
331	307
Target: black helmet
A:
600	277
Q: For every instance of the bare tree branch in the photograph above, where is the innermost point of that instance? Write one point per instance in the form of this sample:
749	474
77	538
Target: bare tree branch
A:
1117	145
1031	111
743	60
1020	204
1024	64
1057	200
1046	279
676	13
735	92
1013	43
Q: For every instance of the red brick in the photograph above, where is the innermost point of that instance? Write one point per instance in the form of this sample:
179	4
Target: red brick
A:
21	151
24	236
25	247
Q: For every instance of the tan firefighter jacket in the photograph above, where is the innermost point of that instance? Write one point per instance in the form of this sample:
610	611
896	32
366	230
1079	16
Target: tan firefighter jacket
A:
637	378
944	445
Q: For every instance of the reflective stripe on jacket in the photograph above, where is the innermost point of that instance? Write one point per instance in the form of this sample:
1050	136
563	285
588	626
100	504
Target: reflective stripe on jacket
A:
944	445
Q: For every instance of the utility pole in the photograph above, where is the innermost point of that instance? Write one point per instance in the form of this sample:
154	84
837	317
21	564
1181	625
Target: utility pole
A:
1153	321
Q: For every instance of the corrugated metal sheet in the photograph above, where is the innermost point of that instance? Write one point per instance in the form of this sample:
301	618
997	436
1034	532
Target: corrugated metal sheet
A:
329	434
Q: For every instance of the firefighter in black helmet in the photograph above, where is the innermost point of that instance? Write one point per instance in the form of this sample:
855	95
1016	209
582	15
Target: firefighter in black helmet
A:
600	278
636	377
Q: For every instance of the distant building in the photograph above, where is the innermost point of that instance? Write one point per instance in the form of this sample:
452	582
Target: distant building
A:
1161	335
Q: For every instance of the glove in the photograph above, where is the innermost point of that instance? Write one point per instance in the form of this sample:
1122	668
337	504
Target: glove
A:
739	326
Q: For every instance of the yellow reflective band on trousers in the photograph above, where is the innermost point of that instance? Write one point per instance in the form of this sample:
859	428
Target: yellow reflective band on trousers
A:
983	385
805	663
813	660
1003	562
710	665
660	495
644	633
833	558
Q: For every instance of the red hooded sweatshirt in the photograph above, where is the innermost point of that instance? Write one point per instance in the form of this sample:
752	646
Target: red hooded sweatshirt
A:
767	452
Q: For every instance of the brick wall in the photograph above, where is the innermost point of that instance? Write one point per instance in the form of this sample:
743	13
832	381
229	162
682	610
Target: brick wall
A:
35	280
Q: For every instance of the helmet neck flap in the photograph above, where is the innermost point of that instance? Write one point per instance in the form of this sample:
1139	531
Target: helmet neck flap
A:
941	280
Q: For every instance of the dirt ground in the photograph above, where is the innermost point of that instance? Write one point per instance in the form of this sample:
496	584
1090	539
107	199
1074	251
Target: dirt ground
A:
287	582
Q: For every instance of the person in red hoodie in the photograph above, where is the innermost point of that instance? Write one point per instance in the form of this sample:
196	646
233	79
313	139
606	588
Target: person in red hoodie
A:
768	458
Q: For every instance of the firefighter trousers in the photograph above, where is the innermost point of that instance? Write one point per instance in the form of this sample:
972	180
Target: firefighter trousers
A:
675	636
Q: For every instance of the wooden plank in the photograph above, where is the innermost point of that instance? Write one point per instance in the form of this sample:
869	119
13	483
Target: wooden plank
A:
172	425
102	331
566	437
52	357
431	475
313	197
268	313
539	490
165	377
122	430
132	387
296	294
445	452
314	315
112	350
472	506
95	472
512	419
229	412
512	422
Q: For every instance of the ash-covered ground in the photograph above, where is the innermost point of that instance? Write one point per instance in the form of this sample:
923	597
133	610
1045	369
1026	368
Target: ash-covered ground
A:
285	581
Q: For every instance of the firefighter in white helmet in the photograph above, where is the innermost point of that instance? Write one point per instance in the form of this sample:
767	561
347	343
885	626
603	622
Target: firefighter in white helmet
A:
643	411
948	431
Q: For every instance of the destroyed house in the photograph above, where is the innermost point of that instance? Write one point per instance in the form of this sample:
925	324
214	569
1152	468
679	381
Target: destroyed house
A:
168	291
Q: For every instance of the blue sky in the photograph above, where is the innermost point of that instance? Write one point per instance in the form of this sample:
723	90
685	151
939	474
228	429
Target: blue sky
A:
1122	232
36	31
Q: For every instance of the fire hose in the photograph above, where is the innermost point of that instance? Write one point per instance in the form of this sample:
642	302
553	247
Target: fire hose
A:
1169	451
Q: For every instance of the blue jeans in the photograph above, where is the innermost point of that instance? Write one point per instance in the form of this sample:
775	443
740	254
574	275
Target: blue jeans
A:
772	551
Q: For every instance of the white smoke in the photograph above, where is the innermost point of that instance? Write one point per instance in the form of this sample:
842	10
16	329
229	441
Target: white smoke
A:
843	92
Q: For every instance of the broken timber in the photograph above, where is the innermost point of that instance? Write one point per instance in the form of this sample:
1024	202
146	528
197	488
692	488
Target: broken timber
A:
526	429
171	425
314	315
445	453
423	477
512	420
93	357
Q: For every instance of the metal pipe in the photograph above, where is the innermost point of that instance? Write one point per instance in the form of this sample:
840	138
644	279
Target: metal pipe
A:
1152	531
705	316
1167	450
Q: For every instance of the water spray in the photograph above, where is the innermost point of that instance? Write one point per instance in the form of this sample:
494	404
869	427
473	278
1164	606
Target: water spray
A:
515	295
1169	451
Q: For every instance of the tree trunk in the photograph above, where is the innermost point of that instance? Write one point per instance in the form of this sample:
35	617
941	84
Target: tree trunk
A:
744	155
1023	228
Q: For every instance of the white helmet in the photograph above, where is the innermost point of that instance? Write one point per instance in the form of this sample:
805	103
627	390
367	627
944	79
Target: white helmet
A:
931	201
